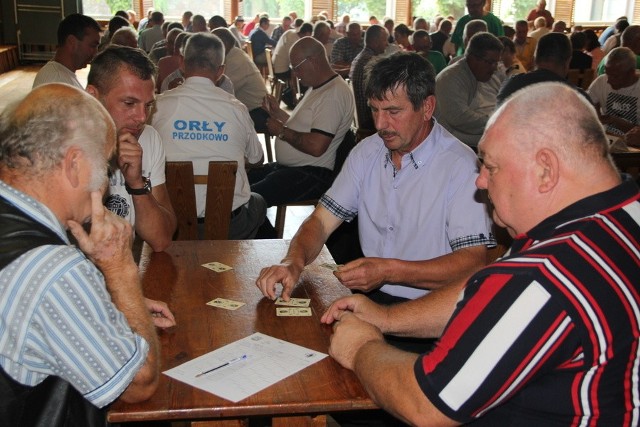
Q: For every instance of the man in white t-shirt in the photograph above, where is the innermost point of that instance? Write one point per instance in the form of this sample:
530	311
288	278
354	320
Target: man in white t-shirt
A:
78	39
123	79
200	122
616	94
307	139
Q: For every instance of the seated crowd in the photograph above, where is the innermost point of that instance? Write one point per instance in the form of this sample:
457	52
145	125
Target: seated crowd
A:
437	330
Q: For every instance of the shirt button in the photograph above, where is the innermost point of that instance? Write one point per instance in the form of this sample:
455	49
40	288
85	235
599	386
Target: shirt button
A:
390	228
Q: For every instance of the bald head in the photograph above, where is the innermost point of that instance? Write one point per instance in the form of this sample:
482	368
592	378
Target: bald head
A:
309	61
36	133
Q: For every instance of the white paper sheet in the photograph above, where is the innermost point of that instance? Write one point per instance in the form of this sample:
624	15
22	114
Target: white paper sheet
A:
268	360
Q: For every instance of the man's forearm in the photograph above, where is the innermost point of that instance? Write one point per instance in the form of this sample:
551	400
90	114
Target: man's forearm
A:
155	223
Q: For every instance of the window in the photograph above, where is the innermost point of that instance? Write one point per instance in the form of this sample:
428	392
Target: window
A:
175	8
104	8
599	10
275	9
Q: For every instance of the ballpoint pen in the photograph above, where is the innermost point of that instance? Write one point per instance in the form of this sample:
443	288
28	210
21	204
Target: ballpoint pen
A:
237	359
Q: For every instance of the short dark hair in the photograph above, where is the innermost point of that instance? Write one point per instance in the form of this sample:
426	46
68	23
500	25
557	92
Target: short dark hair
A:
481	43
156	17
305	28
554	48
104	66
75	25
122	13
578	40
173	25
373	33
217	21
116	23
402	69
508	44
263	20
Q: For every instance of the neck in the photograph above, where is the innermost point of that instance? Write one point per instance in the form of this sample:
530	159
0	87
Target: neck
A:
63	58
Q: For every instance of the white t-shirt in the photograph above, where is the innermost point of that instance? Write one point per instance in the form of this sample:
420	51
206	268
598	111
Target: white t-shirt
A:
247	81
118	200
55	72
201	122
280	55
326	109
622	103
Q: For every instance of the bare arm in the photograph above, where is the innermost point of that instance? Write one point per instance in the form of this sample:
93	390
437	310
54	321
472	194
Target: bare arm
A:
366	274
312	143
109	248
304	248
424	317
155	219
384	371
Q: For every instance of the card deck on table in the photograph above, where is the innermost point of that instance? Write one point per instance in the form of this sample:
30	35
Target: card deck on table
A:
227	304
293	311
218	267
294	302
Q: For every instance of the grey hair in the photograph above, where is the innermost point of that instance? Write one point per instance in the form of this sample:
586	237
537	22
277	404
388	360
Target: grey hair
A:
623	57
203	51
472	27
36	132
481	43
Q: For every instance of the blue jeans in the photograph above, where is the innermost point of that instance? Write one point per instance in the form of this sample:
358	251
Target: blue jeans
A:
279	184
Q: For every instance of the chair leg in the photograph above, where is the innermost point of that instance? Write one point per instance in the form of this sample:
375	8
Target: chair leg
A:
281	214
267	146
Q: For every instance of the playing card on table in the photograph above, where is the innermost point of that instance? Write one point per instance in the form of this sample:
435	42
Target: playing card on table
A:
294	302
227	304
293	311
331	266
218	267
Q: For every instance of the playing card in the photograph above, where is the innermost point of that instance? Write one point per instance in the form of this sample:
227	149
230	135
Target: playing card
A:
227	304
294	302
218	267
293	311
331	266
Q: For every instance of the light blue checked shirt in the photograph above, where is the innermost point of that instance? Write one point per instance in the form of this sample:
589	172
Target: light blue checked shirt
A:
57	318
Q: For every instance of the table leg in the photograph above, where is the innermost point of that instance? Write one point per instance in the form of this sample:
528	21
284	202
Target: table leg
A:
304	421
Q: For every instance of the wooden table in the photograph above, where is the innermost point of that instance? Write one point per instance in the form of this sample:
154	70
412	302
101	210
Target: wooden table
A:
176	277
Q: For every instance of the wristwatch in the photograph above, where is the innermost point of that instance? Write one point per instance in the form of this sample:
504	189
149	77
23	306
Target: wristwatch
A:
146	188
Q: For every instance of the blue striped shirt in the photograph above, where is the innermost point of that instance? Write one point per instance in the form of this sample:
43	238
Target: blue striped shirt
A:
57	318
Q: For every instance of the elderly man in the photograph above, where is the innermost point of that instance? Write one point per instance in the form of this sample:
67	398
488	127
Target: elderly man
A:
77	331
550	331
540	11
616	94
201	122
411	186
78	39
282	28
466	91
525	46
540	28
441	39
260	41
308	138
476	11
125	36
552	58
153	33
375	42
346	49
123	79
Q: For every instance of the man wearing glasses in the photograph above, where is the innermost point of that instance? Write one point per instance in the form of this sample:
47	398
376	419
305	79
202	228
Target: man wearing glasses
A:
307	139
466	91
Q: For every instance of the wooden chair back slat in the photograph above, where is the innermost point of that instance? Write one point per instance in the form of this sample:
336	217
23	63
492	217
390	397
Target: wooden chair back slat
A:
180	185
220	188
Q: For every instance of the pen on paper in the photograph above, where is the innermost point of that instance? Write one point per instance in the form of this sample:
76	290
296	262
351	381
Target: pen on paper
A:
232	361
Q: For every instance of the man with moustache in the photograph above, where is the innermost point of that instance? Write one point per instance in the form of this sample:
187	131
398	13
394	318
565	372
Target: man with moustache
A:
123	79
411	186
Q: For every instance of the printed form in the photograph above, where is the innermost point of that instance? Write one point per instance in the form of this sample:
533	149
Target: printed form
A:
242	368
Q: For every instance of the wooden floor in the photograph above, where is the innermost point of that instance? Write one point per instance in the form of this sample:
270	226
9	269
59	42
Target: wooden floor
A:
17	83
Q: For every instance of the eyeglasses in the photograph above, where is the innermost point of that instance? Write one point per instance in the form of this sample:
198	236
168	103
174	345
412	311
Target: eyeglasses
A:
295	67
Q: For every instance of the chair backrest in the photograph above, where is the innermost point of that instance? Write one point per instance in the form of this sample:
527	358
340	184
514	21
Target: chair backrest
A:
249	49
581	78
272	74
358	117
220	182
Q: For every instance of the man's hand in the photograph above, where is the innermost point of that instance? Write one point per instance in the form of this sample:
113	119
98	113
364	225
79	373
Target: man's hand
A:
270	104
359	305
160	313
349	335
285	273
108	245
632	137
364	274
130	160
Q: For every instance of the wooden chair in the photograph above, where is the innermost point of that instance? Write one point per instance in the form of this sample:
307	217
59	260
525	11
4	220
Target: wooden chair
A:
581	78
348	142
277	94
628	162
361	133
220	182
249	49
271	75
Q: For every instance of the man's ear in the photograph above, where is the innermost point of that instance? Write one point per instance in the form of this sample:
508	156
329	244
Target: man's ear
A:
429	105
220	72
93	91
548	166
72	164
